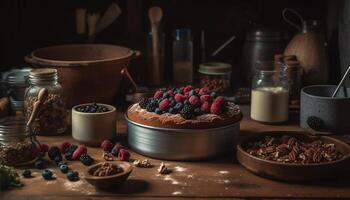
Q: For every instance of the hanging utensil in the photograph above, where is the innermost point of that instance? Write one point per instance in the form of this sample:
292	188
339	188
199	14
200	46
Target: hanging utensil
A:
223	45
111	14
125	72
341	82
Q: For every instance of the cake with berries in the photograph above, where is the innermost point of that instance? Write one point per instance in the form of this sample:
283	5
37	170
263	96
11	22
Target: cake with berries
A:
184	108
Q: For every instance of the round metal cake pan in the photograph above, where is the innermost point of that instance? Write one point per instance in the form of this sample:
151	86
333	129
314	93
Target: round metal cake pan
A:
182	144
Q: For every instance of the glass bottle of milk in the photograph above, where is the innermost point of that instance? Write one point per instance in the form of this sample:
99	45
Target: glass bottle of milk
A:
182	57
270	94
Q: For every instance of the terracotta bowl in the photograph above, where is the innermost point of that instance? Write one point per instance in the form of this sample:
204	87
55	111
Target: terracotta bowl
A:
290	171
109	181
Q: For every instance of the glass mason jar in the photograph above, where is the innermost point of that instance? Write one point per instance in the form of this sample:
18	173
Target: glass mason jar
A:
51	119
270	94
182	57
215	76
17	145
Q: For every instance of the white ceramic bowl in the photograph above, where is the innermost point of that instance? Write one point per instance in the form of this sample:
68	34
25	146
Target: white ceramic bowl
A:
93	128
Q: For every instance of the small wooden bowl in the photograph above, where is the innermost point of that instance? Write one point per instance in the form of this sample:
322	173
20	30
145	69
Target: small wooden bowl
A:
109	181
292	171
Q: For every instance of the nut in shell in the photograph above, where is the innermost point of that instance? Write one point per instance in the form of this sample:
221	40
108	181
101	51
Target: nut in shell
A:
107	156
143	164
163	169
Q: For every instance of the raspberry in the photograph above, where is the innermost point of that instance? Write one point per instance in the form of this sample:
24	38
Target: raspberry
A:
203	91
205	97
43	148
123	155
164	104
171	93
117	147
69	151
220	100
106	145
205	107
194	100
64	146
158	94
78	152
215	108
188	88
179	98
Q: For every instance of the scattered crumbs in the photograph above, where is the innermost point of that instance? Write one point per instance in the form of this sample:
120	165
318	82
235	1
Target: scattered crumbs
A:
224	172
226	188
190	176
78	186
50	182
169	178
180	169
226	181
177	193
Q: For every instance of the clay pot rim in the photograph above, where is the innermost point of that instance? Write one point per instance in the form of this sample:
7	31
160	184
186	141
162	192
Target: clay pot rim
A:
240	150
69	63
303	92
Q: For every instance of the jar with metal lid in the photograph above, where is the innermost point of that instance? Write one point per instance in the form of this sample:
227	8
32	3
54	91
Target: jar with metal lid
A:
51	119
17	145
215	76
270	94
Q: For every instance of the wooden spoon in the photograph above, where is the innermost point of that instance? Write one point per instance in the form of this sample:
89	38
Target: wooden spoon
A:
155	15
42	96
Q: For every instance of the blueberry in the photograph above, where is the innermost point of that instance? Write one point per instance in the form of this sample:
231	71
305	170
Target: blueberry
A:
61	163
58	159
172	111
26	173
178	106
186	102
64	168
47	174
73	175
197	111
165	95
39	164
158	111
193	92
213	95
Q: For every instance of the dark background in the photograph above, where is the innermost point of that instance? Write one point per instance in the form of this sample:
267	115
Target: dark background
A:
30	24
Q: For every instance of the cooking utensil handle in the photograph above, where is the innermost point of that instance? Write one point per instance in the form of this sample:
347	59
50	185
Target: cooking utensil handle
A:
136	54
42	96
284	15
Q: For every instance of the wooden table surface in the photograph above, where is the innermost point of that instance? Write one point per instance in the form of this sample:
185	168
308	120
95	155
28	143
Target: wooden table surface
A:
221	178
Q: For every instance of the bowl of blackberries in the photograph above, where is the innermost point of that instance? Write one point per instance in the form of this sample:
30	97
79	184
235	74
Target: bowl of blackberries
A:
93	123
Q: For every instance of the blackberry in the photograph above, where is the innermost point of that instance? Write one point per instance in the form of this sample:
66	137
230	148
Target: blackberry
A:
86	159
315	123
172	111
69	151
187	111
151	107
144	102
54	152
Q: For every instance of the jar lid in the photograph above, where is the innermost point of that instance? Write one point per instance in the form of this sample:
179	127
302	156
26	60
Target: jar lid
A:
17	77
43	72
215	68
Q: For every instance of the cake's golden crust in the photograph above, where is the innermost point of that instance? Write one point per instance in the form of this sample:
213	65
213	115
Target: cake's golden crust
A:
136	114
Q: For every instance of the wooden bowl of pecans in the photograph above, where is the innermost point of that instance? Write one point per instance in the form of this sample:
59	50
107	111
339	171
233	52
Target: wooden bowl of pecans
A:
108	174
294	156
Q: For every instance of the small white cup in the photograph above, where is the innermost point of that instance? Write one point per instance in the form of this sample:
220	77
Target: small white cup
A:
92	128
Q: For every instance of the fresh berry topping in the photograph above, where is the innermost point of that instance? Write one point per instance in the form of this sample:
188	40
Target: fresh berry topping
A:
192	92
164	104
64	146
39	164
203	91
143	103
216	108
26	173
187	111
179	97
73	176
86	159
123	155
205	107
205	98
106	145
172	111
158	94
188	88
78	152
171	93
47	174
43	148
197	111
178	106
158	111
64	168
116	149
213	95
194	100
186	102
54	152
220	100
152	105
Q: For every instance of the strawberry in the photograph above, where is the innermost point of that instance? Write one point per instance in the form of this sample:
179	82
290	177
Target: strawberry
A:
179	97
77	153
43	148
158	94
194	100
64	146
123	155
205	107
106	145
205	97
164	104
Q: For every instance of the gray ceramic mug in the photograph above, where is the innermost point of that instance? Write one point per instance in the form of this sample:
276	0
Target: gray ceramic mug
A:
316	101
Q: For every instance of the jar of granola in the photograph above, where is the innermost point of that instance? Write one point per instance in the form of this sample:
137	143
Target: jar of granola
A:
215	76
17	145
51	118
